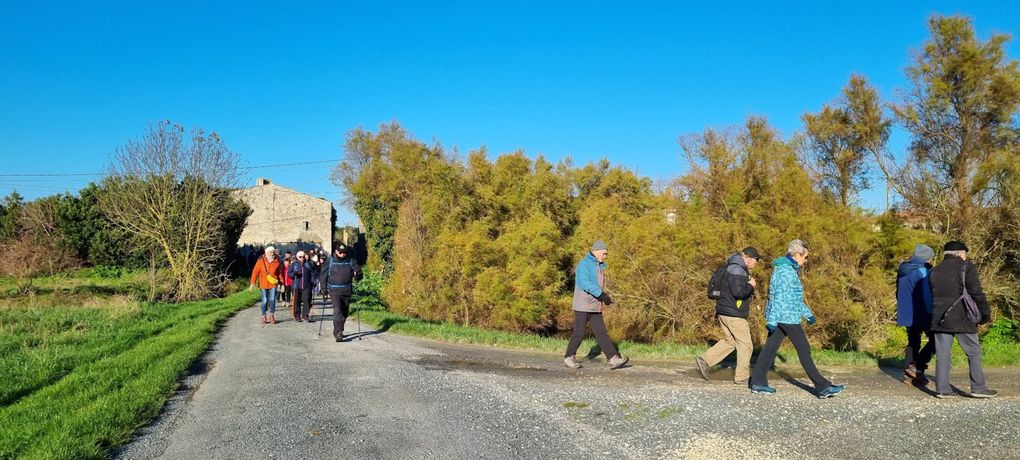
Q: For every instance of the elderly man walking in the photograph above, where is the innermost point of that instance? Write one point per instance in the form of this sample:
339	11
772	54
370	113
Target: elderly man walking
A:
732	287
589	297
301	272
954	283
913	311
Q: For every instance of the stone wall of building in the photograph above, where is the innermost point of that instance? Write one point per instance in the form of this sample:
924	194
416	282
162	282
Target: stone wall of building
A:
285	218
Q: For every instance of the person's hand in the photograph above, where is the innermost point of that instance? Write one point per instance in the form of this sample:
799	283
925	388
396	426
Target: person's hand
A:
251	287
811	320
604	298
752	282
771	327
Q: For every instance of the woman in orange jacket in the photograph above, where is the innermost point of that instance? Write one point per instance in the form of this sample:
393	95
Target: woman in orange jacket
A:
268	273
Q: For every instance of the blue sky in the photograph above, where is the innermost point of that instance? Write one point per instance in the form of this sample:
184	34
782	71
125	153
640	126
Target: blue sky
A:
586	80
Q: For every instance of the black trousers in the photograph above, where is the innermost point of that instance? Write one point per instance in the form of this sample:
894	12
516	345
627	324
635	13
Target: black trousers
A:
341	309
915	353
286	293
598	327
302	303
760	375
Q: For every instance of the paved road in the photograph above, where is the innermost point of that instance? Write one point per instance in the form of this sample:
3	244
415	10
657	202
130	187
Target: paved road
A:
281	391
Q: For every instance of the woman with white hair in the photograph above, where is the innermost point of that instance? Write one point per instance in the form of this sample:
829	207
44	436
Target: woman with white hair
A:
783	314
268	273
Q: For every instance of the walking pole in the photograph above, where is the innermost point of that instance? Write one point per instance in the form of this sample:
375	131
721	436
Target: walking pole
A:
359	323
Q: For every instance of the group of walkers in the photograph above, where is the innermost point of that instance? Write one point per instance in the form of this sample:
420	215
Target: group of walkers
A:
300	278
941	303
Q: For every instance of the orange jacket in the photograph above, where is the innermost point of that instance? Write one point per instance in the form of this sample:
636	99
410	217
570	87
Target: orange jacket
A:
264	267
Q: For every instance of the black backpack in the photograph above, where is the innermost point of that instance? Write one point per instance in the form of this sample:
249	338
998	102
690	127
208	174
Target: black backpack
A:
717	282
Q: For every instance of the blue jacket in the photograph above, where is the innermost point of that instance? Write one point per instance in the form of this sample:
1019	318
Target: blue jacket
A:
786	294
301	282
913	294
586	284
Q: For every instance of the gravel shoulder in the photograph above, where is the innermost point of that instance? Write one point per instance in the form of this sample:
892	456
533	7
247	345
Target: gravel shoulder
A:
282	391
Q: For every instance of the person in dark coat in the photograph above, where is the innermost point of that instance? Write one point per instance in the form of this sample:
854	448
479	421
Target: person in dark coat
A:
913	311
731	309
301	272
949	319
341	273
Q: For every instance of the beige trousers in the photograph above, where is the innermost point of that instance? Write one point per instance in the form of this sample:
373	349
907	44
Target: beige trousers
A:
738	337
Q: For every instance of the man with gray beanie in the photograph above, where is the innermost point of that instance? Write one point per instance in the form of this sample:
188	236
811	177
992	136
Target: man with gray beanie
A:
913	311
952	282
589	297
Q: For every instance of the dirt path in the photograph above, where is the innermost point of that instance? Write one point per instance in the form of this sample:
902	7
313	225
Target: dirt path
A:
281	391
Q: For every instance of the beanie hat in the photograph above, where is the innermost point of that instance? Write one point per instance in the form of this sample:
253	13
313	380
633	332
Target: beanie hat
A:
955	246
599	246
924	252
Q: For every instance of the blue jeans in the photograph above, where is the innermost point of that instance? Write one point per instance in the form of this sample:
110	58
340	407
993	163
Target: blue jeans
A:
268	299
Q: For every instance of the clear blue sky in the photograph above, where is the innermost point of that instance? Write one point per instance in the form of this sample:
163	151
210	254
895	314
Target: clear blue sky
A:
283	85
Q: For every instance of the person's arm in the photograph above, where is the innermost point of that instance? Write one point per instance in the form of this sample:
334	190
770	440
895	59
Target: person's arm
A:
977	293
739	282
587	279
357	270
255	273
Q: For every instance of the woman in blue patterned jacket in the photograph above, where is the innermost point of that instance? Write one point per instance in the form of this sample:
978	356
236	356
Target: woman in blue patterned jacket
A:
783	314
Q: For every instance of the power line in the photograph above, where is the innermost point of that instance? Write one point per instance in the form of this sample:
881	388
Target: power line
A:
242	168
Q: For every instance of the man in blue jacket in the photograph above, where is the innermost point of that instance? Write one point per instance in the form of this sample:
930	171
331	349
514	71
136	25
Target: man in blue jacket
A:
301	273
589	296
913	311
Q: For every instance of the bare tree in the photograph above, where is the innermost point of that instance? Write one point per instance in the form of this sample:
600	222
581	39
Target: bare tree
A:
167	190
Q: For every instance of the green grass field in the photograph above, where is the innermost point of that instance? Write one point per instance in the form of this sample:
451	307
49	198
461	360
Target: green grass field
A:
83	364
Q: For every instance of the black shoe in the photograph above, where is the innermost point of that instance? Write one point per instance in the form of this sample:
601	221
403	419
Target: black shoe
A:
340	338
984	394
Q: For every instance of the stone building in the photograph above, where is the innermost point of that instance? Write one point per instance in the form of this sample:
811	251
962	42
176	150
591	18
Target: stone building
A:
285	218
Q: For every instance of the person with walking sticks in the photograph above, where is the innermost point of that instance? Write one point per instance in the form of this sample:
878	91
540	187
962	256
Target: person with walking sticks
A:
342	272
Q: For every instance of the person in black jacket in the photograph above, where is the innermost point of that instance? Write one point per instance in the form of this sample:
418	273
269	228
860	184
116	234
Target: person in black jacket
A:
732	308
949	319
341	273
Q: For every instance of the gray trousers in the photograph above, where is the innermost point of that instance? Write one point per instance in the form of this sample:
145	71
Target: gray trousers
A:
944	360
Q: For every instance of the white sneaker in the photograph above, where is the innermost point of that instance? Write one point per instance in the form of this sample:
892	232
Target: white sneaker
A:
617	361
571	362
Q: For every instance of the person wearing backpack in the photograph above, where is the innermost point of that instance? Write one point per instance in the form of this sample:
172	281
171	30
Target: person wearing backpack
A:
783	315
731	286
268	273
589	297
954	285
913	311
341	273
301	272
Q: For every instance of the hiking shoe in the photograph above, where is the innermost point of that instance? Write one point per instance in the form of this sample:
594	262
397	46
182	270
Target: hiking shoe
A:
309	319
920	379
910	373
340	338
763	390
264	320
833	390
951	394
572	363
703	367
272	318
617	361
984	394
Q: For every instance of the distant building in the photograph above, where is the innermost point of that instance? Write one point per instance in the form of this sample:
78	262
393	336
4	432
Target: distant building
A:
285	218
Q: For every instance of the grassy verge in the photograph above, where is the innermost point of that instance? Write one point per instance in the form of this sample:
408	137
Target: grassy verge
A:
77	379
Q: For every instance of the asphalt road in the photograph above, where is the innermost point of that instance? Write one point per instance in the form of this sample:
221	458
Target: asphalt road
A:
282	391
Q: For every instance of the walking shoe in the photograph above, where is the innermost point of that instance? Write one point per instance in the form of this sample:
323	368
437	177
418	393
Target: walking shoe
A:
340	337
951	394
763	389
833	390
571	362
910	373
310	320
617	361
920	379
703	367
264	320
984	394
272	318
298	319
